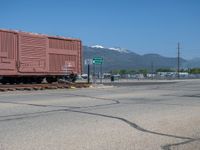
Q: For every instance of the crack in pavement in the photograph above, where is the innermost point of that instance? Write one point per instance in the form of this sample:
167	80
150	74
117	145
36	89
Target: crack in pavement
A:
137	127
37	105
72	109
26	115
29	115
134	125
193	96
114	102
168	146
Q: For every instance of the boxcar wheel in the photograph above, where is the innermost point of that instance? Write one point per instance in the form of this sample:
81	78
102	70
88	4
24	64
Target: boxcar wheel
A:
73	77
51	79
39	80
3	82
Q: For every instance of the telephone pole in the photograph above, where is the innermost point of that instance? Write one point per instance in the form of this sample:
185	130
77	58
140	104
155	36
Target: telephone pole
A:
178	61
152	69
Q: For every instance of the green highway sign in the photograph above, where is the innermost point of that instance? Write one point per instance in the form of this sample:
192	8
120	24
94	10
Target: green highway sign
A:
97	60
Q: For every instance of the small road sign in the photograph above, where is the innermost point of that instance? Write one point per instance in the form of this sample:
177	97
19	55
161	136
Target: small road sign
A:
97	60
88	61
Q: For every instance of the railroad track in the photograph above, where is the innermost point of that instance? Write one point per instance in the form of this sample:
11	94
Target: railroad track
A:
30	87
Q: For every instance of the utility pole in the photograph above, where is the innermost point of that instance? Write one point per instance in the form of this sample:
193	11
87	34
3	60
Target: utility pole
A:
178	61
88	79
101	72
152	69
94	74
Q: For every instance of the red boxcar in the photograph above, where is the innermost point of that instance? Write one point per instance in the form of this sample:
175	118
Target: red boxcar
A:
28	57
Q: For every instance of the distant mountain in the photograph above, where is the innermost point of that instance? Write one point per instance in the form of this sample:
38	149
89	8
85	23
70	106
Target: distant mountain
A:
118	58
192	63
118	49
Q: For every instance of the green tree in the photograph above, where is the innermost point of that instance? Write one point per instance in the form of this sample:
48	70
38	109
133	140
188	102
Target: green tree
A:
195	71
143	71
132	71
115	71
123	71
165	70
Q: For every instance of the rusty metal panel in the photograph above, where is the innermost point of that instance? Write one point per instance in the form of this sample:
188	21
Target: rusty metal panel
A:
79	49
32	53
8	50
62	63
3	54
64	55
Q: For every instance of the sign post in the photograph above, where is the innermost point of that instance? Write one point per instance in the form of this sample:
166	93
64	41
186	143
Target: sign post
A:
101	75
88	62
98	61
94	76
88	78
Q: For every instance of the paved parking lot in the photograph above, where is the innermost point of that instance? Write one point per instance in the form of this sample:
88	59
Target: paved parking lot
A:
152	116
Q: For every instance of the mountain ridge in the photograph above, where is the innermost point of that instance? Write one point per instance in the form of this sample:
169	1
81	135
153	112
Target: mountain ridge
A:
118	58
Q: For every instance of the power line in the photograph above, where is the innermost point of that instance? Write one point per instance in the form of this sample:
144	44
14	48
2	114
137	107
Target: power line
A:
178	60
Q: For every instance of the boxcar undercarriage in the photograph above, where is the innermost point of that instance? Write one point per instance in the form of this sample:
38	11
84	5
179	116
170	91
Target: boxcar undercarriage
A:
36	79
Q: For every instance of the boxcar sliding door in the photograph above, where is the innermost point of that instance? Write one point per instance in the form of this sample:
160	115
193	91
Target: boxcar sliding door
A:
32	53
63	56
8	49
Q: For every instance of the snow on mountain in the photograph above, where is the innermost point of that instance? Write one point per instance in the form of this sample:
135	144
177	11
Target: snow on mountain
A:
97	46
121	50
118	49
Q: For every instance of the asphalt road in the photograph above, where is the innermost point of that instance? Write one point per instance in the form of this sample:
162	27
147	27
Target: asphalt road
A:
123	117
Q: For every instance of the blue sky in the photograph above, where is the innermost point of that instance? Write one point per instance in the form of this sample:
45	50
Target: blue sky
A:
144	26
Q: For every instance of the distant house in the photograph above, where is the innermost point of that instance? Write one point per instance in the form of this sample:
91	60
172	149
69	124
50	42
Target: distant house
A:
184	74
106	75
